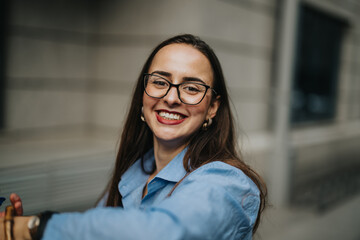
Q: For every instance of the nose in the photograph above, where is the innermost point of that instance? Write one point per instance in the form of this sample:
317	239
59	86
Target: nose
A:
172	97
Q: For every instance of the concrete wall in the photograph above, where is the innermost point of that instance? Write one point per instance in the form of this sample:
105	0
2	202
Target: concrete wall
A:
76	62
49	64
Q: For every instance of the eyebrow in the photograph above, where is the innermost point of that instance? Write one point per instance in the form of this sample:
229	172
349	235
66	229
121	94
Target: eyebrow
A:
187	79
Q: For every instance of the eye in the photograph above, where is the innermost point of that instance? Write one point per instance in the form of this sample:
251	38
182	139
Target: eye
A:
192	88
158	82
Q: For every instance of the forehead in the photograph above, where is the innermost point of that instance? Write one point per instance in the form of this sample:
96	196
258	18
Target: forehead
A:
182	60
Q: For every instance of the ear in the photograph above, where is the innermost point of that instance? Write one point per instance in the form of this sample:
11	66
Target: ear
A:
214	106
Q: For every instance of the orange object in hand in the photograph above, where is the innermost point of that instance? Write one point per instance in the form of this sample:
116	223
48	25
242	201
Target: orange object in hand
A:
8	222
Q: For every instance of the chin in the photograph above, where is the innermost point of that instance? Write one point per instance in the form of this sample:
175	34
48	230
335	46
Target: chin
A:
172	139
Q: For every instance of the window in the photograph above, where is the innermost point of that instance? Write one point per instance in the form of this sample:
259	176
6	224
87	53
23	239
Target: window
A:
316	69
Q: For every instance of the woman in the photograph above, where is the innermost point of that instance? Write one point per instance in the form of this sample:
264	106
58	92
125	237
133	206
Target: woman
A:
177	174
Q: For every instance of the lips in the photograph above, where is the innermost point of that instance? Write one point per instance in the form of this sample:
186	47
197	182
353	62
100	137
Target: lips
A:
171	118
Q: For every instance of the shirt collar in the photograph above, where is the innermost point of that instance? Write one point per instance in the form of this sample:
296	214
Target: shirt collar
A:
174	171
134	177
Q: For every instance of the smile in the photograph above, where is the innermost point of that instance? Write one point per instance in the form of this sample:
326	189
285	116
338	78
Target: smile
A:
170	116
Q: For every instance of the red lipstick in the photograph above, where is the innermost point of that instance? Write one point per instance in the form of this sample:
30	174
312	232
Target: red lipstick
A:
169	121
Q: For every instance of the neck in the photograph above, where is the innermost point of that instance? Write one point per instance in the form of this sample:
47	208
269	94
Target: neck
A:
164	153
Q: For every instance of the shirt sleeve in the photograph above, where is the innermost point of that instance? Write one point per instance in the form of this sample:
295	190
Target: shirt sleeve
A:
216	201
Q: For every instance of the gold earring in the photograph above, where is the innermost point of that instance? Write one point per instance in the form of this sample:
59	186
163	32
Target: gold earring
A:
207	124
142	114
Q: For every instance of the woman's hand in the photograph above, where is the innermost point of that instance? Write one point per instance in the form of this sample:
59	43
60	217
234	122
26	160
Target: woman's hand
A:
20	228
16	203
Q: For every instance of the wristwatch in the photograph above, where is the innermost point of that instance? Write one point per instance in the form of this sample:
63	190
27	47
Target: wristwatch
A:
33	225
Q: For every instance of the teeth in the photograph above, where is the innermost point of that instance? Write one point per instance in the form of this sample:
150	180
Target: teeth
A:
170	116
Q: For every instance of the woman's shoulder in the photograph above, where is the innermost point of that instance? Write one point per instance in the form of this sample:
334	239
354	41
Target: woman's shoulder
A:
226	181
220	168
225	174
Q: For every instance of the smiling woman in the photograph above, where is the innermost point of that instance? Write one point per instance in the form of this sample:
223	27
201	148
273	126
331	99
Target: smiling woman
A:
177	174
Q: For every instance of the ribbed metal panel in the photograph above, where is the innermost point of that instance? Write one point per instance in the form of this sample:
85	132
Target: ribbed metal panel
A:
70	184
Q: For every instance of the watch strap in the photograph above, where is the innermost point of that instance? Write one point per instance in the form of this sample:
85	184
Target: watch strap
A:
44	218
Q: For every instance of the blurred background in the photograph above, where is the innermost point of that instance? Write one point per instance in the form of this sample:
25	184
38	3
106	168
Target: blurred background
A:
67	70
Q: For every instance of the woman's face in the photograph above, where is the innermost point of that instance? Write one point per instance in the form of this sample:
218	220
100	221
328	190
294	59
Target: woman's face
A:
178	63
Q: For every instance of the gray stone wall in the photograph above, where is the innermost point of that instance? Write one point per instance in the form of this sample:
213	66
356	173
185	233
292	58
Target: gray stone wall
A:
49	64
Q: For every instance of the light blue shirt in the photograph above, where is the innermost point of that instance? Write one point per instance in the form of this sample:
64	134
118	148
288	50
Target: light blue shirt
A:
216	201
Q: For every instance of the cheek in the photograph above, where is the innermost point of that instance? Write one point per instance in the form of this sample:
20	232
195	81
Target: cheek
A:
199	112
146	100
148	103
203	107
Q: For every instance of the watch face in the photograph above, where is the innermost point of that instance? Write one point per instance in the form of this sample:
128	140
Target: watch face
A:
33	222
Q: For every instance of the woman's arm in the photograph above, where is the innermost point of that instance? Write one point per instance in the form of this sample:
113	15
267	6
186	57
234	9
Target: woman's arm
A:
216	201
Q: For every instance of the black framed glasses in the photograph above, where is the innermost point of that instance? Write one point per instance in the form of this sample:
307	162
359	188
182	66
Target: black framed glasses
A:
189	92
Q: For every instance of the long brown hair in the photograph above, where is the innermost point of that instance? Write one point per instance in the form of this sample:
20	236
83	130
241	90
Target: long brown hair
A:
217	143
